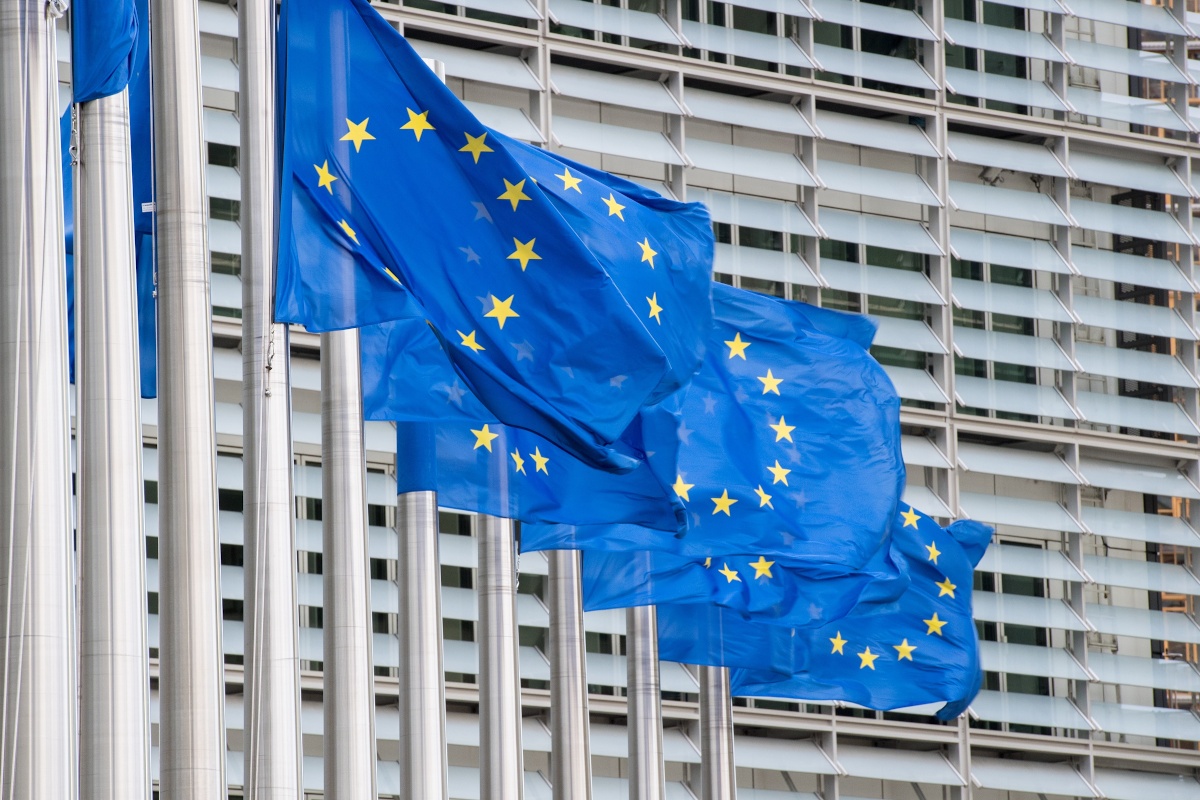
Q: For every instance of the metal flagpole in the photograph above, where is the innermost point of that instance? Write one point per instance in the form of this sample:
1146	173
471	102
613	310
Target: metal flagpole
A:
191	666
570	743
114	716
349	670
647	780
423	768
718	781
501	760
274	753
37	598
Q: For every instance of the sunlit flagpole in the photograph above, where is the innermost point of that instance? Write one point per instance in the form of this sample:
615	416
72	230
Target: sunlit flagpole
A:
349	699
643	698
274	754
191	666
37	595
114	717
501	770
718	779
570	743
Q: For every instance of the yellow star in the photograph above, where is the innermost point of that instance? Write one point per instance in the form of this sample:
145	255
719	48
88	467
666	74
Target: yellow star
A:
648	252
520	462
868	659
935	624
524	252
780	473
655	308
358	134
737	347
723	503
468	340
681	488
614	207
762	568
513	192
502	310
910	517
475	145
764	499
838	644
933	551
783	430
484	438
708	562
540	460
349	231
770	383
730	575
570	181
325	178
418	124
946	588
905	649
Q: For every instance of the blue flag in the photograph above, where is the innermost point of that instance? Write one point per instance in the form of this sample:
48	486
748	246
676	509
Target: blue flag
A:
718	637
787	443
750	587
105	72
920	649
391	186
107	42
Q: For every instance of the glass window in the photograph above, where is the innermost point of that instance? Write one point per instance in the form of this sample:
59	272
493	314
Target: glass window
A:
223	155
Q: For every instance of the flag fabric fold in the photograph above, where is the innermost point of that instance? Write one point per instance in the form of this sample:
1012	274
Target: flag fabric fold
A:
107	43
919	649
785	444
397	203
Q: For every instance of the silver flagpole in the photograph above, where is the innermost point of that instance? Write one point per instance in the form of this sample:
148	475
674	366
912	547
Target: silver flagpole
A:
274	754
718	779
647	780
37	593
570	742
114	717
501	760
191	666
423	767
349	670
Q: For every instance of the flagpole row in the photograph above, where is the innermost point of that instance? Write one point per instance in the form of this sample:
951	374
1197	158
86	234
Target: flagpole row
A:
570	742
191	664
643	697
422	686
501	760
349	698
38	747
274	754
718	778
114	714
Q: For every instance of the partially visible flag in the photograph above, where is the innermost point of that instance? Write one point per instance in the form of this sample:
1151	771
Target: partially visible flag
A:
787	443
108	41
751	587
719	637
391	186
921	649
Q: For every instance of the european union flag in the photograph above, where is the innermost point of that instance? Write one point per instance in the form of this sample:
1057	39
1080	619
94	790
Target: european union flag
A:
718	637
749	587
107	43
787	443
391	186
920	649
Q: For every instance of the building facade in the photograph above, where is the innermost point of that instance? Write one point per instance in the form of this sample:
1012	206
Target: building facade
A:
1008	188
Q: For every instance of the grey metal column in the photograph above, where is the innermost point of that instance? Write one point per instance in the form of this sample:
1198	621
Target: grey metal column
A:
570	737
191	666
114	714
647	780
37	590
501	759
423	769
349	670
719	781
274	754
